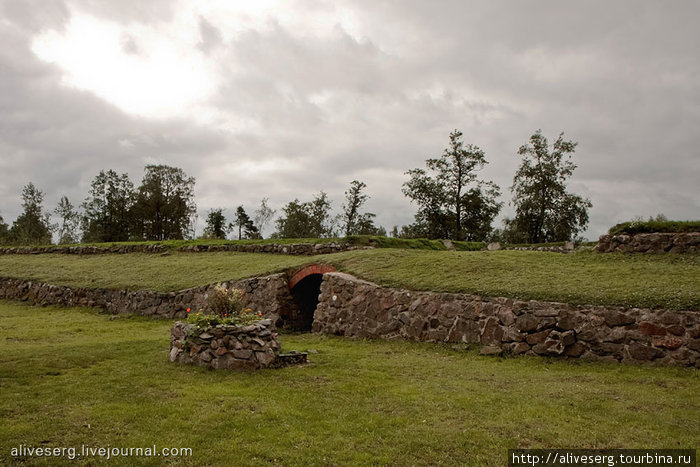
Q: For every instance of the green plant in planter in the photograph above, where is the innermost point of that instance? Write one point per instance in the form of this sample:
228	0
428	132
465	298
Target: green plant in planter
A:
225	307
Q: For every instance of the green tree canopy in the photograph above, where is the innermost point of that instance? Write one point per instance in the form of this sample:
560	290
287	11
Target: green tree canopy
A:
311	219
216	224
32	227
69	221
544	210
164	207
452	201
263	216
246	227
353	221
107	211
3	231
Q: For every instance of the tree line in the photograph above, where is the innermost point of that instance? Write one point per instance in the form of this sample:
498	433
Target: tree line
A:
452	201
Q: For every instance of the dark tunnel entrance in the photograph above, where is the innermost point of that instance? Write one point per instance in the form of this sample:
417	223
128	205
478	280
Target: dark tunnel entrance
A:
305	294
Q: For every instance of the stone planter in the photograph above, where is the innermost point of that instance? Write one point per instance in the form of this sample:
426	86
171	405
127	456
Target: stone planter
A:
229	347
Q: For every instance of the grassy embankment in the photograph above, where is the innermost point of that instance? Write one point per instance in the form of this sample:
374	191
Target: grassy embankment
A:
663	281
356	240
635	227
73	377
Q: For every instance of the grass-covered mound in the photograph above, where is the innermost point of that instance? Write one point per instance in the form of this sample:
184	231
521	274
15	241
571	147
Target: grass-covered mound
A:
139	271
669	281
663	281
411	243
354	240
175	244
635	227
71	377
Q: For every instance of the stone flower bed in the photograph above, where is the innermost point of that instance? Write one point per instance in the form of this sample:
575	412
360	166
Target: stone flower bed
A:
231	347
227	335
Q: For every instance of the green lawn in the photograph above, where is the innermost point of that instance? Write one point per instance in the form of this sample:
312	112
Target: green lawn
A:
665	281
72	377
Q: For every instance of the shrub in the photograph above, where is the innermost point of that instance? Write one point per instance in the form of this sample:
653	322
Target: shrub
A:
225	302
225	306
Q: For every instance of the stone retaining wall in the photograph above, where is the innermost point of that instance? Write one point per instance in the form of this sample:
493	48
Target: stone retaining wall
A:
356	308
269	295
352	307
226	347
650	243
298	249
567	247
82	249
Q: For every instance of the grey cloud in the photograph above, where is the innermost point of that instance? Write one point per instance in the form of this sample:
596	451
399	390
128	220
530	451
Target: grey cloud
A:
620	78
211	36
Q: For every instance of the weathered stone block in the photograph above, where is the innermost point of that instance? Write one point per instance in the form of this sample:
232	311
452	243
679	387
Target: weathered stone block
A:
643	352
546	312
569	319
575	350
616	318
668	342
505	316
520	348
651	329
527	323
464	331
538	337
492	332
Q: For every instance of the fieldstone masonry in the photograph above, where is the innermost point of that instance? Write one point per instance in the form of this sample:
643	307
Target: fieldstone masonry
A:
226	347
352	307
356	308
567	247
269	295
82	249
297	249
650	243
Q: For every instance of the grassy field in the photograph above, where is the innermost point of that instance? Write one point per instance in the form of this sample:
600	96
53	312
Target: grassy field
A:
72	377
664	281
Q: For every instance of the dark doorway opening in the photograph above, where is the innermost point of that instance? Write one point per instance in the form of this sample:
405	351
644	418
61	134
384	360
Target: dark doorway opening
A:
305	294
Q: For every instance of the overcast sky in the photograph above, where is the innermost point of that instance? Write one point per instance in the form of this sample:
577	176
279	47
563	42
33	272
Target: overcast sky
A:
282	99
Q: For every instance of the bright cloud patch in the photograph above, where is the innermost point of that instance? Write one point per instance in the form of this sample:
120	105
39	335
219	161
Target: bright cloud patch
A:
142	71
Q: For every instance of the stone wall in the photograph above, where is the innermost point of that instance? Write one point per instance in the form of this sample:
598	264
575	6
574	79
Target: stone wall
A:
299	249
650	243
269	295
352	307
567	247
226	347
82	249
356	308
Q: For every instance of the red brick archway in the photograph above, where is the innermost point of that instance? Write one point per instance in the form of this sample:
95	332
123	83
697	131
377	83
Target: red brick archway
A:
309	270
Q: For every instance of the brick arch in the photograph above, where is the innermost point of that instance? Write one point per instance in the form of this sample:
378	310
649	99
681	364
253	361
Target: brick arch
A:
309	270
